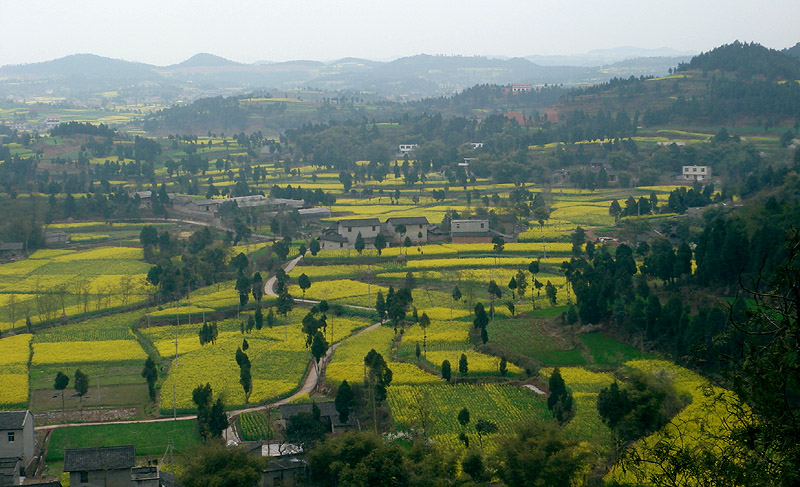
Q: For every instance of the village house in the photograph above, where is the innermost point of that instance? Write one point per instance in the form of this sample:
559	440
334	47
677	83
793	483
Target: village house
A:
407	147
145	198
696	173
470	231
521	87
328	415
16	436
108	466
343	234
416	229
54	238
10	471
252	201
285	465
52	122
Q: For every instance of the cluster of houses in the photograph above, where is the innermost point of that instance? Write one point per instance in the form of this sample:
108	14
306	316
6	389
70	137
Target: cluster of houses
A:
116	466
344	233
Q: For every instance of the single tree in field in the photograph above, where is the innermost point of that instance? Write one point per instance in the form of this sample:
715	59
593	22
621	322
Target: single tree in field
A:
522	283
424	323
259	317
257	287
615	210
551	291
503	366
246	381
512	285
418	352
62	380
463	417
481	318
446	373
319	347
560	400
484	427
243	288
81	385
463	366
380	306
494	293
533	268
304	282
313	247
456	297
359	244
150	374
407	243
498	245
344	401
512	308
380	243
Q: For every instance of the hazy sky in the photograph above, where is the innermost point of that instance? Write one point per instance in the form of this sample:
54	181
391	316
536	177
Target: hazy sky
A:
168	31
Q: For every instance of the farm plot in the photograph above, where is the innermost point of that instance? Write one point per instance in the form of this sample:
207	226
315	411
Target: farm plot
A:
278	355
105	348
15	353
52	282
525	335
342	291
254	426
607	352
506	406
348	360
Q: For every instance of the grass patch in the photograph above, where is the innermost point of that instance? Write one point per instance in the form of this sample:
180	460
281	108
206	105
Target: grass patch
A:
608	352
150	439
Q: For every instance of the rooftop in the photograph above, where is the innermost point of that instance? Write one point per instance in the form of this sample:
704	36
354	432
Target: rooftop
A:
99	458
408	220
12	420
326	409
360	222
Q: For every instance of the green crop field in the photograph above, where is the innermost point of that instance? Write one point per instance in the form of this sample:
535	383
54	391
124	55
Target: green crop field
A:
255	427
150	439
504	405
526	335
607	352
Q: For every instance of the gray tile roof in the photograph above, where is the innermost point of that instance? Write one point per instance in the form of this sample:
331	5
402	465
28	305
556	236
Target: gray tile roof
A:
359	222
12	420
99	458
334	237
326	409
408	220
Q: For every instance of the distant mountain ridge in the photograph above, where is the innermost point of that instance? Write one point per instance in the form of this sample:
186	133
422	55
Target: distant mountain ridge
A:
206	74
205	59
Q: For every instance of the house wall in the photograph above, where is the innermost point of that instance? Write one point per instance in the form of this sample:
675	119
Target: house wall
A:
412	232
283	478
102	478
23	444
328	245
351	232
470	226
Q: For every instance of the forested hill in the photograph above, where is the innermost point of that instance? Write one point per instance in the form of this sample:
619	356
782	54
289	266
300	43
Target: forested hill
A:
732	84
793	51
747	59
